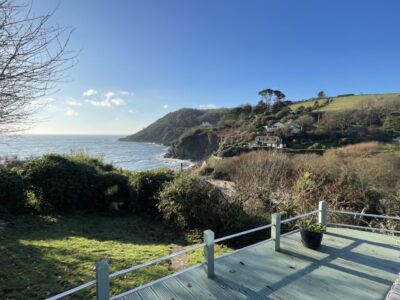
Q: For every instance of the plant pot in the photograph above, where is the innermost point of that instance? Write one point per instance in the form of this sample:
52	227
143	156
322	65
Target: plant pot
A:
311	239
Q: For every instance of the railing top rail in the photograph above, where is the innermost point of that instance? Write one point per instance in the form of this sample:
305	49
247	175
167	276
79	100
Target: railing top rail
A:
228	237
157	260
74	290
364	215
221	239
133	268
300	216
364	227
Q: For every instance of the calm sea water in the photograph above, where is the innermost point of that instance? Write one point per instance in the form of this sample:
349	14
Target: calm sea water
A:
129	155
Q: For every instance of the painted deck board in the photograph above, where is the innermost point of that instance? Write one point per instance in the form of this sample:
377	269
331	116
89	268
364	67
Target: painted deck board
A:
350	264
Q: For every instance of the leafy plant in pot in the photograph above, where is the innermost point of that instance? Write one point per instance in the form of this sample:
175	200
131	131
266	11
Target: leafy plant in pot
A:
311	234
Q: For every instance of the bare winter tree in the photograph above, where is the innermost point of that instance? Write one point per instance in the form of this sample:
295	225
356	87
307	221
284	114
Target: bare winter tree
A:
33	57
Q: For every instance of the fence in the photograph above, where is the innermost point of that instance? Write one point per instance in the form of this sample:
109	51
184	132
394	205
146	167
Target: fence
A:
103	277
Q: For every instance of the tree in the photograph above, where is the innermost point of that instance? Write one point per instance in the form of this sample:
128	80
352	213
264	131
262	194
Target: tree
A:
266	96
392	123
279	95
269	96
305	121
321	94
33	57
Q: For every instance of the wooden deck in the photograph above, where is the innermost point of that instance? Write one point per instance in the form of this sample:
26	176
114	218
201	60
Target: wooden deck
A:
350	264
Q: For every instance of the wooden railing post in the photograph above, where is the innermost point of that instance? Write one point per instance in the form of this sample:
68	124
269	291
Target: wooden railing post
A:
323	213
209	252
276	230
102	281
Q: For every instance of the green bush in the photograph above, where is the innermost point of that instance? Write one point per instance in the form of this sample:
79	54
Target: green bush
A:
146	187
111	191
69	183
12	191
58	182
190	202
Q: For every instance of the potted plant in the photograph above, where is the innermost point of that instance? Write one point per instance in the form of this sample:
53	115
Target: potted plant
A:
311	234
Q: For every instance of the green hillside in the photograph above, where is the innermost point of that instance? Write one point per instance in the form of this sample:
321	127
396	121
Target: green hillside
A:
169	128
348	102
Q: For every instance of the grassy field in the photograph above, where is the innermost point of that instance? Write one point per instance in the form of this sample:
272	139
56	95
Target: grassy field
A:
42	256
345	103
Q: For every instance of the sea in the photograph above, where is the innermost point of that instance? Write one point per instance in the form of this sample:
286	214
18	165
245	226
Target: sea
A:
129	155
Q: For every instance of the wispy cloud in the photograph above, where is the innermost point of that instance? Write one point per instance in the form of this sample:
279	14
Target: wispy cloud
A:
208	106
109	100
102	103
118	101
165	106
70	112
109	95
89	93
131	111
73	102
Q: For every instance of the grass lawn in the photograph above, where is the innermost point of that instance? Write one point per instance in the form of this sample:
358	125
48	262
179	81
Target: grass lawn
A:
42	256
345	103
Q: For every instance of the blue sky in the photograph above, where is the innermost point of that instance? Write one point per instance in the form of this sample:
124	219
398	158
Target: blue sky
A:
142	59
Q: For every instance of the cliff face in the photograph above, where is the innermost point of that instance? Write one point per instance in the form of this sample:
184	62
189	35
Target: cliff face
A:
196	146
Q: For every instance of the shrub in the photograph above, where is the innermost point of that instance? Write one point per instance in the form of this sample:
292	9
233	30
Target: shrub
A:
12	191
58	182
69	183
110	191
190	202
146	187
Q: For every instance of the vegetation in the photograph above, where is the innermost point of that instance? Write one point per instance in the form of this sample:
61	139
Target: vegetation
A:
117	224
45	255
325	122
170	127
70	183
346	102
312	226
34	55
12	191
356	177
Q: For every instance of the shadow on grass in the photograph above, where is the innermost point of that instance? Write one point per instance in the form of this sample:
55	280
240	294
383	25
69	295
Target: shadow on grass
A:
43	256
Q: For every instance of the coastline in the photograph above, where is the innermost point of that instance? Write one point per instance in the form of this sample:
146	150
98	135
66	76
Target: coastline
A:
133	156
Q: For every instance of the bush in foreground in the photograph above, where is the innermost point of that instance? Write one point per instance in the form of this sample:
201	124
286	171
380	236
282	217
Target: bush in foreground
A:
191	202
146	187
69	183
12	191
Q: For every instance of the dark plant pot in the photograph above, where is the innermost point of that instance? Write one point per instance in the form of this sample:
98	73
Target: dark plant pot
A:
311	239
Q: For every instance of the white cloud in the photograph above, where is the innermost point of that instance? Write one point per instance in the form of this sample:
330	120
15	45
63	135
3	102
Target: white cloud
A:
165	106
109	95
103	103
124	93
108	102
208	106
70	112
89	93
131	111
73	102
118	101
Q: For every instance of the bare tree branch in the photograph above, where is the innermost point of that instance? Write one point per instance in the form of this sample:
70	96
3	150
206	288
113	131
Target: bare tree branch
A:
34	56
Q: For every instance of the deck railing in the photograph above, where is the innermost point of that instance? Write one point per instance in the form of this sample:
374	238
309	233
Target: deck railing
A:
103	276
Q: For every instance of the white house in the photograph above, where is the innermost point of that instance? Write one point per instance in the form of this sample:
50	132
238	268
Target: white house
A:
267	142
205	124
294	127
275	126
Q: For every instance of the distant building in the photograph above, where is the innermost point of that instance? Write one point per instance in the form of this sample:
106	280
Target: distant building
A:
293	127
206	124
273	127
267	142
